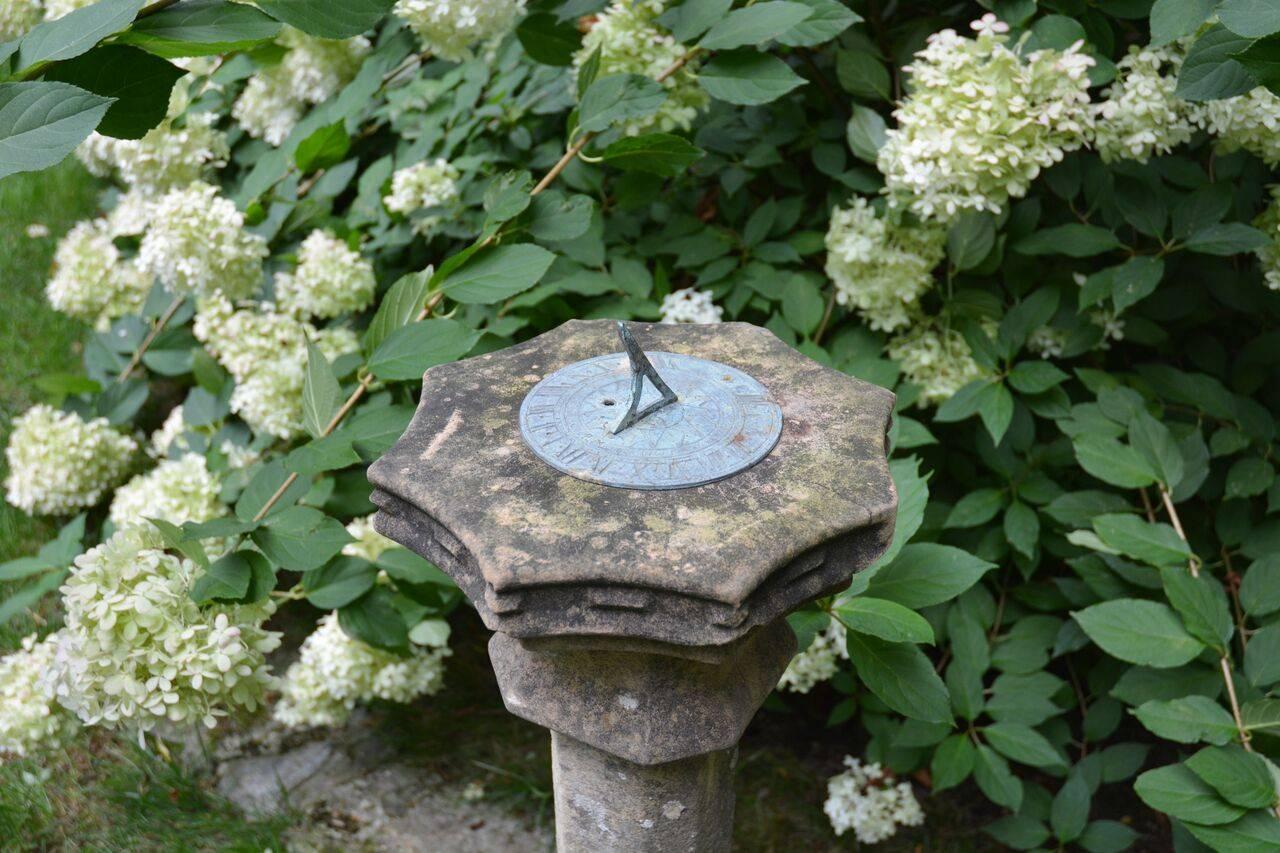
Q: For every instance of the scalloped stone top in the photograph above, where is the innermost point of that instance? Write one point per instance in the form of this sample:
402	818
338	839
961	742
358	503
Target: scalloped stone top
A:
541	553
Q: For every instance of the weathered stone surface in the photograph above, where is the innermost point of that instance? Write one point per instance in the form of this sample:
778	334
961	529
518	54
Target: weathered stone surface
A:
646	708
541	553
606	803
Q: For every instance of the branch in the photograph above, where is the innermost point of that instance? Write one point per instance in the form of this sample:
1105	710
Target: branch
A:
156	329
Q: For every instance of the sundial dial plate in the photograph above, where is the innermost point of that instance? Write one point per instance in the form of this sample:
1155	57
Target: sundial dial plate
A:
722	422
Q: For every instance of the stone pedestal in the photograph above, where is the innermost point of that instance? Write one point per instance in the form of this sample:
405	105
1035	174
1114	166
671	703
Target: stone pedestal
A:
643	628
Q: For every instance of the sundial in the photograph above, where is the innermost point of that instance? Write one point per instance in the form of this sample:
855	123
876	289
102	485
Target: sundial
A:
650	420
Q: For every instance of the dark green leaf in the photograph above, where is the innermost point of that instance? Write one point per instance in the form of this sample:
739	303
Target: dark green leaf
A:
401	304
901	676
1241	778
1190	719
1075	240
754	24
320	392
1113	462
862	74
339	582
497	274
662	154
1070	810
1138	631
549	40
1179	793
1201	603
1260	589
925	573
1173	19
747	77
1251	18
373	619
327	19
618	98
1226	238
75	33
828	19
1022	744
1154	543
226	579
139	82
555	216
1262	656
410	350
976	508
201	28
270	478
996	780
884	619
1209	71
324	147
692	18
301	538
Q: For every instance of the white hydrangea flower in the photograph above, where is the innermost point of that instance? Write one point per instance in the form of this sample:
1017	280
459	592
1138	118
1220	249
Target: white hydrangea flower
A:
330	279
632	42
54	9
90	281
311	71
819	662
1268	222
169	156
450	28
60	463
936	359
241	339
690	306
1047	342
167	438
131	215
29	718
865	799
420	186
880	266
18	16
269	398
196	244
1140	116
1250	121
335	671
176	491
369	544
137	650
982	121
1112	326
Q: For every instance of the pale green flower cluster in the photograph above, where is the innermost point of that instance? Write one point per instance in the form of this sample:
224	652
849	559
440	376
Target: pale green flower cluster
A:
981	121
1250	121
880	264
1047	342
1268	222
176	491
935	359
196	244
136	650
865	798
29	718
91	280
335	672
330	279
60	463
632	42
818	663
369	544
172	154
1140	116
450	28
689	305
131	215
311	71
423	185
169	437
265	351
18	16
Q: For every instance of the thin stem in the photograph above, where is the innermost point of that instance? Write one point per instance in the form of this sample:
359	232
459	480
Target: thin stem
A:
156	329
826	318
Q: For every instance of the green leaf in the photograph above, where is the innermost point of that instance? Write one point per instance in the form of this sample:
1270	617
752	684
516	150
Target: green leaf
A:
226	579
374	620
865	133
41	123
320	392
692	18
862	74
75	33
754	24
926	573
1154	543
913	495
497	274
952	762
1201	603
662	154
996	780
747	77
327	19
269	479
1261	60
1070	809
1179	793
901	676
433	633
176	539
1022	528
827	19
884	619
138	82
1262	656
1173	19
1022	744
1153	440
1075	240
555	216
618	98
1138	631
1190	719
1260	589
1261	715
547	39
324	147
1113	462
1035	377
402	303
802	304
339	582
508	196
995	408
1107	836
1241	778
410	350
1018	831
1251	18
1254	832
976	508
1135	280
201	28
970	239
301	538
1226	238
1209	71
1248	477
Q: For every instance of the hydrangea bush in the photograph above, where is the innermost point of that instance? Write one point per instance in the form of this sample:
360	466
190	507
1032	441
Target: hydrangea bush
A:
1049	228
